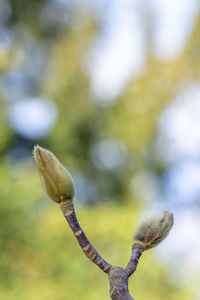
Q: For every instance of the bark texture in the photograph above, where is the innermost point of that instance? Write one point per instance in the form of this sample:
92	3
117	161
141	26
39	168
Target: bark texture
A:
118	279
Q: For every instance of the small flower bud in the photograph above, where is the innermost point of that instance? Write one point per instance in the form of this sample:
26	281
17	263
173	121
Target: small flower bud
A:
55	179
154	230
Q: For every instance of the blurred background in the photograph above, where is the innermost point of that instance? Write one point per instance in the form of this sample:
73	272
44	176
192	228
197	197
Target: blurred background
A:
113	89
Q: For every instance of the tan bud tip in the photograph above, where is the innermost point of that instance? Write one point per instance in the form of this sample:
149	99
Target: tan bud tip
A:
154	230
55	179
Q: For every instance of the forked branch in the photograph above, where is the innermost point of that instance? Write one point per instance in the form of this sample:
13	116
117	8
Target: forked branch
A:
59	186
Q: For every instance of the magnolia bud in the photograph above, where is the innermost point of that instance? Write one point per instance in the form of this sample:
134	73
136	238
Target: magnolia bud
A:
55	179
153	231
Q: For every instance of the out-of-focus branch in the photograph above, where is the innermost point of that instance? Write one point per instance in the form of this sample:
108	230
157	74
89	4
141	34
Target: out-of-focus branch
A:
59	186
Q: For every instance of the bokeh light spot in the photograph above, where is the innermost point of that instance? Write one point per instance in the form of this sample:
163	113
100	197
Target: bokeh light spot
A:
108	154
33	118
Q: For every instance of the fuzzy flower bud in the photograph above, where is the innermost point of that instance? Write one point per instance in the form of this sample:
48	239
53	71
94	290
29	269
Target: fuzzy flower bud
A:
154	230
55	179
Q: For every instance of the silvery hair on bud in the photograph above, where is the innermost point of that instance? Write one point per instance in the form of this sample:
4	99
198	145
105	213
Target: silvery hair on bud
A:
154	230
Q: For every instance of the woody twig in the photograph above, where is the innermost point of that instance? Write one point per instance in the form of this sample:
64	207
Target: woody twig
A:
59	186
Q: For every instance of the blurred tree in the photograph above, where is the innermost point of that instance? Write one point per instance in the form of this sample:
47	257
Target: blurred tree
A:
103	147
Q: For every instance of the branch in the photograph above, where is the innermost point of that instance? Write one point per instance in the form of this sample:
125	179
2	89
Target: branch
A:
70	215
59	186
137	249
118	279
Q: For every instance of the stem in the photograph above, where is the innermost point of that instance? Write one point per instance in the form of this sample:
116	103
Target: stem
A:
119	284
118	277
60	188
137	250
68	211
